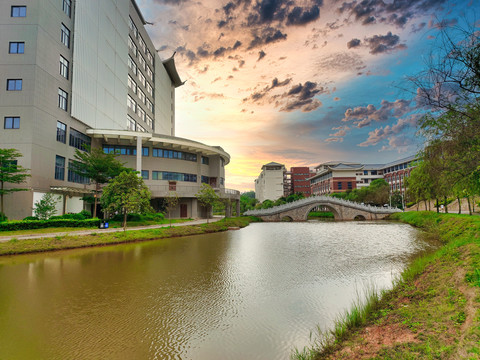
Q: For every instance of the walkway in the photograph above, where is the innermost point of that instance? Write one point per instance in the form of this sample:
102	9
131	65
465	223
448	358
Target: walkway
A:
109	230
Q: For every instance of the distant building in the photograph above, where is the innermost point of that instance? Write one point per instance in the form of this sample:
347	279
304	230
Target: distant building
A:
270	183
395	172
298	180
335	176
341	176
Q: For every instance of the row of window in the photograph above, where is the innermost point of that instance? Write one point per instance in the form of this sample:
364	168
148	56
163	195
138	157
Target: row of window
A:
132	104
142	43
77	139
172	154
71	175
156	152
173	176
133	48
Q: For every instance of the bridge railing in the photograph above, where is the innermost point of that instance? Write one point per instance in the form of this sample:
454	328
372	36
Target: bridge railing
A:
325	200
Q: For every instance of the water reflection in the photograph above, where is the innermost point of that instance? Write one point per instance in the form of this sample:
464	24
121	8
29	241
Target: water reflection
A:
249	294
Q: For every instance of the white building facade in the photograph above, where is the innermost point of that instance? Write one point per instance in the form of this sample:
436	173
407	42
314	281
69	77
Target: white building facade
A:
270	183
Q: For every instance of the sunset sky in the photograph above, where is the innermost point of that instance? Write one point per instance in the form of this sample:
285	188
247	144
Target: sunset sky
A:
300	82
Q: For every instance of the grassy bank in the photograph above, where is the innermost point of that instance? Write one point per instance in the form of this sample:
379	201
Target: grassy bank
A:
433	311
15	246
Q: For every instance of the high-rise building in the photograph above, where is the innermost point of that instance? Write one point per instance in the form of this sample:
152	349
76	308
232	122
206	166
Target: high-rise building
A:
299	180
270	183
82	74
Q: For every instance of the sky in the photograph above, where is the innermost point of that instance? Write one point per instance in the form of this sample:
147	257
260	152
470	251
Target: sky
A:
300	82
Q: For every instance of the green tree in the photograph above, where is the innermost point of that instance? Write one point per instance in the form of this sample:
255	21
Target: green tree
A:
10	173
171	202
98	167
126	194
207	198
247	201
46	206
377	193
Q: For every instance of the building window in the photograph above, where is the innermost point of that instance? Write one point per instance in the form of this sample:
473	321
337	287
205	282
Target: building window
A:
14	84
132	46
67	7
132	84
61	132
64	65
150	89
145	174
65	36
205	160
142	62
222	181
205	180
339	186
19	11
142	79
349	185
131	64
130	124
62	99
73	176
149	73
16	48
149	105
142	44
11	122
141	128
141	96
149	121
131	103
79	140
124	150
132	27
150	57
60	168
141	113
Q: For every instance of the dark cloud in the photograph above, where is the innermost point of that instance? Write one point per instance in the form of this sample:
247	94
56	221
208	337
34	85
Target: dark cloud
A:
364	116
261	55
384	43
353	43
302	16
219	52
396	12
301	96
237	45
445	23
267	36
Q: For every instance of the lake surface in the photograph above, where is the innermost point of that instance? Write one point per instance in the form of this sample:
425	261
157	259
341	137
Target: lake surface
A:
255	293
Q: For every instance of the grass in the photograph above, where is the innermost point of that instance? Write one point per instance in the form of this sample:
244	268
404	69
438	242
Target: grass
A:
433	310
15	246
320	215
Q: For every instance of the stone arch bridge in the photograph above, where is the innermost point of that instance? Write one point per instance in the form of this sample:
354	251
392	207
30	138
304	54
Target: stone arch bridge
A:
342	210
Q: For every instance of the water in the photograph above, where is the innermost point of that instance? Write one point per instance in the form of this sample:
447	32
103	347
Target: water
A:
255	293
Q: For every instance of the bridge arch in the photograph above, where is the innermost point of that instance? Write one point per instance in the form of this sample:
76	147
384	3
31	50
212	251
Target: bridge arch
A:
336	215
359	217
286	219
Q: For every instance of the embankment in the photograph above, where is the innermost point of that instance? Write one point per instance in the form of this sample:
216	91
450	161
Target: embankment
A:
431	313
15	246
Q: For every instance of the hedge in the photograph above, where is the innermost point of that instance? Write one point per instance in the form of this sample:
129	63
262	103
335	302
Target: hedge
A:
40	224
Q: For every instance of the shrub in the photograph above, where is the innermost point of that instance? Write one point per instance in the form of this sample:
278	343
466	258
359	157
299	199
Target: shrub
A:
40	224
31	218
140	217
3	217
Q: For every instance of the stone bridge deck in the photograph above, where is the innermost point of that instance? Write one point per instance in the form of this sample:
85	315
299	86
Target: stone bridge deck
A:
341	209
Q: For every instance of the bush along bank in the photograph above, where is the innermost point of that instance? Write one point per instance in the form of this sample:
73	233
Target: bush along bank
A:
16	246
433	311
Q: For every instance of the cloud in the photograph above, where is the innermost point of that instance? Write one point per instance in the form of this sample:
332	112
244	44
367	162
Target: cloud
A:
384	133
302	16
301	97
261	55
364	116
200	95
384	43
353	43
267	36
397	12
